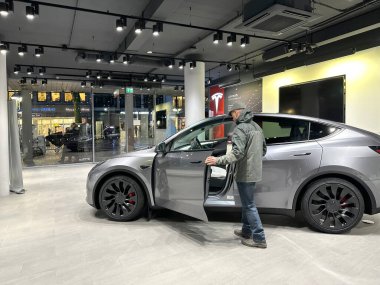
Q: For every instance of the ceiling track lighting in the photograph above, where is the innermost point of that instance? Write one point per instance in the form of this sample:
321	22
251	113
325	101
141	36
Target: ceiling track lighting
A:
229	67
139	26
101	85
22	50
169	63
146	78
99	58
157	29
193	64
237	67
39	51
113	58
163	79
33	81
44	82
155	78
218	36
42	71
98	76
181	64
121	24
231	39
244	41
83	84
17	69
4	48
88	74
29	70
126	59
32	11
23	80
109	77
6	7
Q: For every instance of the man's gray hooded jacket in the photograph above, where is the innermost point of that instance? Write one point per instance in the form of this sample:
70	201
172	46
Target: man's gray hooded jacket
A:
248	148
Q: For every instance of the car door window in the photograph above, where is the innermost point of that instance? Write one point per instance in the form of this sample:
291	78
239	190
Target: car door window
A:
283	130
318	131
205	137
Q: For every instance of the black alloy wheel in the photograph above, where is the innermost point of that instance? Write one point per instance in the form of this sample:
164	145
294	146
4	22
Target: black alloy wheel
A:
121	198
332	205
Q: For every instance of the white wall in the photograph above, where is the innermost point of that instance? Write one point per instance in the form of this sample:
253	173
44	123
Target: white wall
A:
362	71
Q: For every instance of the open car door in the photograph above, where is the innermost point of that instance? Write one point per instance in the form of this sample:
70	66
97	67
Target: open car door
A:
180	174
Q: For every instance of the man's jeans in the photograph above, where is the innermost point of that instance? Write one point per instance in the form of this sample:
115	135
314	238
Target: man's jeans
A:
250	217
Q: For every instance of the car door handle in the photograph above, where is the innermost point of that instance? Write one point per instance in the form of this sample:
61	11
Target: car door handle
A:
302	154
199	161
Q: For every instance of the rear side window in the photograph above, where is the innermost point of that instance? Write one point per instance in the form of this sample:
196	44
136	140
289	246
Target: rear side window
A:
318	131
283	130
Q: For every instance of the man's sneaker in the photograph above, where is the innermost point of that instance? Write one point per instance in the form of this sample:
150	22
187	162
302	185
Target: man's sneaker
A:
250	242
240	234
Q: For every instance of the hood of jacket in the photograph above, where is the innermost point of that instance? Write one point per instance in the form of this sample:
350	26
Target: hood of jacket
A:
245	116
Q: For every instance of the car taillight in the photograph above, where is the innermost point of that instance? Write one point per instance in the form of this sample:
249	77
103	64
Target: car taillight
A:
376	148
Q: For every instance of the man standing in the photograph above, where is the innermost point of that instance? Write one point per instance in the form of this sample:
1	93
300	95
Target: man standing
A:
248	148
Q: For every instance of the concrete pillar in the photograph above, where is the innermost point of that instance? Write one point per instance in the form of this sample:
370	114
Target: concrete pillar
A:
4	146
195	93
27	130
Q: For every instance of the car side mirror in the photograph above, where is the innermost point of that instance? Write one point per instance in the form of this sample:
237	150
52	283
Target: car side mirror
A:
161	148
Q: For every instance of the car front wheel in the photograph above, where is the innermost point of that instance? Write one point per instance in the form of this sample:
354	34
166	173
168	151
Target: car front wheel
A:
332	205
121	198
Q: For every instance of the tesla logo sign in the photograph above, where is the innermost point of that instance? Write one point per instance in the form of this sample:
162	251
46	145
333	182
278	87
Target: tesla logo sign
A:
216	97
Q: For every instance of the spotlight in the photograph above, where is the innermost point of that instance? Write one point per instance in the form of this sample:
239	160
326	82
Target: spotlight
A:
99	58
126	59
169	63
33	81
101	85
44	82
32	11
109	77
98	76
176	88
146	78
163	79
139	26
121	24
193	64
231	39
92	84
289	47
157	29
23	80
113	58
229	67
208	81
42	71
6	7
83	84
16	69
218	37
309	49
39	51
182	88
237	67
22	50
246	67
4	48
244	41
88	74
181	64
155	78
29	70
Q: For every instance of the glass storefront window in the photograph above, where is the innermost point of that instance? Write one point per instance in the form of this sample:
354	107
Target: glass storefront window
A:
41	96
68	97
55	96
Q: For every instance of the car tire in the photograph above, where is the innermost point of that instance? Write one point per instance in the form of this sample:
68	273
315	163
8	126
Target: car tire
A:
332	205
121	198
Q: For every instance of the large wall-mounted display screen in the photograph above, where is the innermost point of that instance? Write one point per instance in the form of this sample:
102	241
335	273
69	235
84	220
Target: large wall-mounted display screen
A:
249	94
322	99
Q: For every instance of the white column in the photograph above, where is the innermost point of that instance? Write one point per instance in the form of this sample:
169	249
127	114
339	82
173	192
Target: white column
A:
195	93
4	147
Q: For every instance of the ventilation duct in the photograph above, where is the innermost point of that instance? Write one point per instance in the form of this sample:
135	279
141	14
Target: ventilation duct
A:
275	17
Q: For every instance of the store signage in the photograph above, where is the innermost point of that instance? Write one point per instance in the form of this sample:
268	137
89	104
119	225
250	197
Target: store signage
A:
129	90
44	109
217	108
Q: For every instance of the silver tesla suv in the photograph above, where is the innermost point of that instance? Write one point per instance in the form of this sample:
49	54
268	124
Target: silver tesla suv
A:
328	170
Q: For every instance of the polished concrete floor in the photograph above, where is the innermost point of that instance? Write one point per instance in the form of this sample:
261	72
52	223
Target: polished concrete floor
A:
49	235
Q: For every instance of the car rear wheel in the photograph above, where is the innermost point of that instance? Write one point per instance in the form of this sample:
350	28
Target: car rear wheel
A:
332	205
121	198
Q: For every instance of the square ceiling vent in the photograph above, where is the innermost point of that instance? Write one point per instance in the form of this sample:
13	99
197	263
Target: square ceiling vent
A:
277	20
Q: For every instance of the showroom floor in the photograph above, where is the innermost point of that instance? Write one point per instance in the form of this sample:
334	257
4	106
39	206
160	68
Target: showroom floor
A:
50	235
